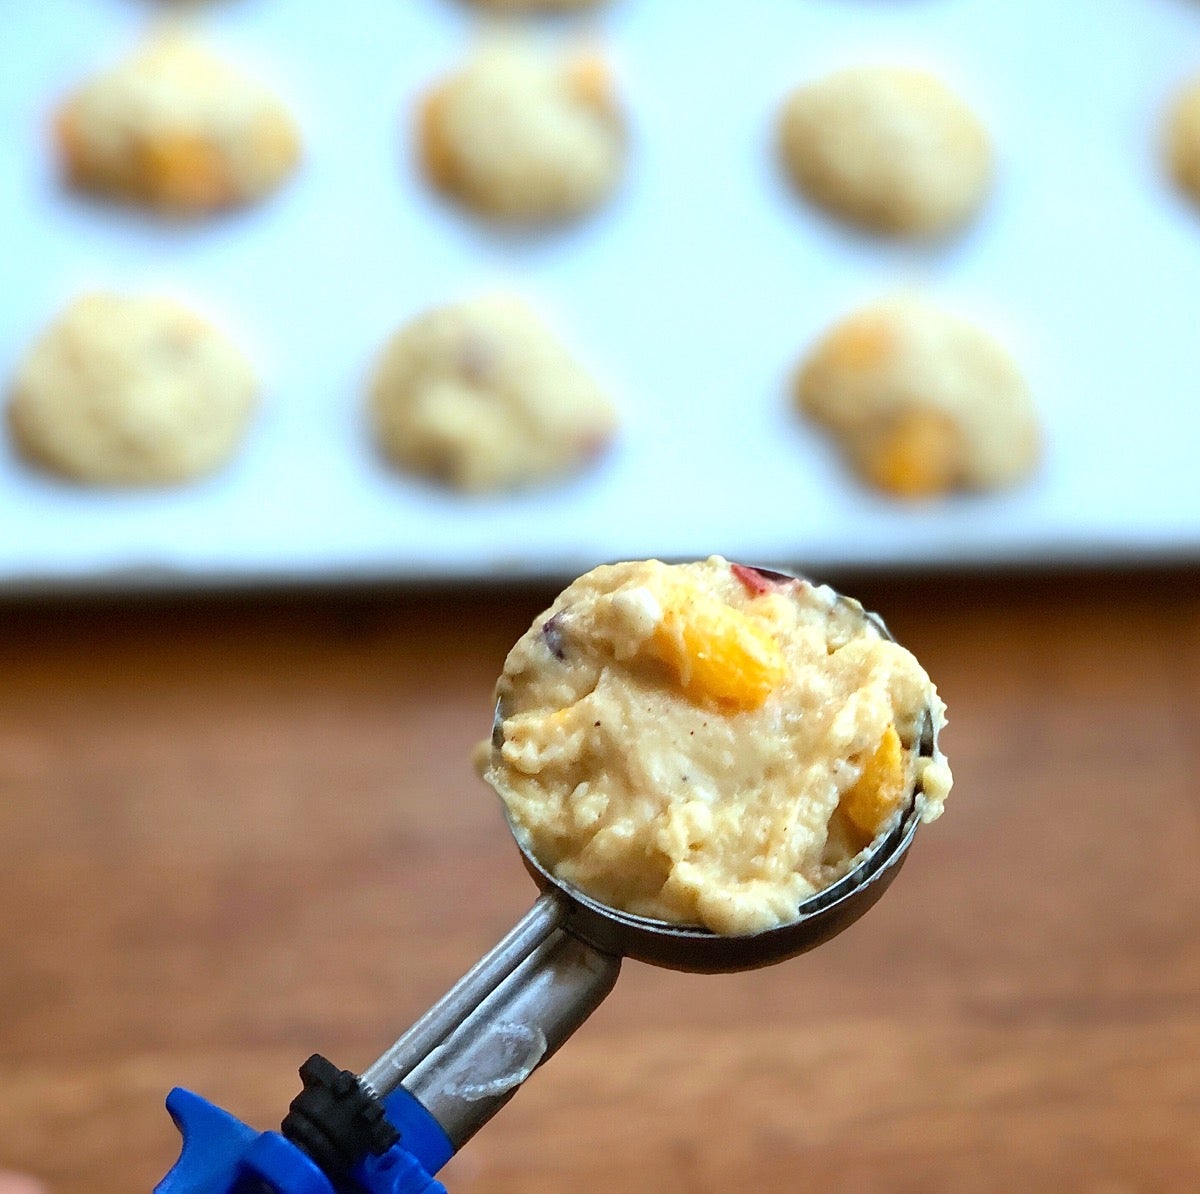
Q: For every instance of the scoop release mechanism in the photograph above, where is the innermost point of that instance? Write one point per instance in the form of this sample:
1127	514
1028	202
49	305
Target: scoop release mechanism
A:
391	1130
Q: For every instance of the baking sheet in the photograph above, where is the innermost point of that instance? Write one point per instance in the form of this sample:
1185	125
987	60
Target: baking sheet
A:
693	294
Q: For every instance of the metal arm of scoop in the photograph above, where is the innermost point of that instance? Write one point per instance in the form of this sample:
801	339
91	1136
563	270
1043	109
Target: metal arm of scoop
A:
467	1056
482	1064
465	996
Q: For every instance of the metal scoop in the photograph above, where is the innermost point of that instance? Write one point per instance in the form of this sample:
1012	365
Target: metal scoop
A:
467	1056
390	1130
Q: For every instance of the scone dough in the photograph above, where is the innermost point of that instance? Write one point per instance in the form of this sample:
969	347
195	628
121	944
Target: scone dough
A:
1183	140
921	401
706	743
538	5
521	137
131	391
177	129
481	395
889	148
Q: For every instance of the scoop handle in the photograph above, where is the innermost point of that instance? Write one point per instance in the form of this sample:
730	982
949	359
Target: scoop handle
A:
514	1030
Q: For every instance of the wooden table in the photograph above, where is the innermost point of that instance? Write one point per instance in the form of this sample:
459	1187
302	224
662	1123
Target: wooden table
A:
234	831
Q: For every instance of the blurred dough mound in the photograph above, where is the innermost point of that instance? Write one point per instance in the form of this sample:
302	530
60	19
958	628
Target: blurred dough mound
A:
706	743
481	395
1183	140
131	391
921	401
523	137
537	5
177	129
889	148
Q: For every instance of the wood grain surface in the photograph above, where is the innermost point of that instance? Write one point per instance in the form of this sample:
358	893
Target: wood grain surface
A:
234	831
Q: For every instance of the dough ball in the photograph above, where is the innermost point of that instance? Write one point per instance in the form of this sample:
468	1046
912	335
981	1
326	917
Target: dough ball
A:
482	396
889	148
1183	140
521	137
176	129
707	743
921	401
538	5
131	391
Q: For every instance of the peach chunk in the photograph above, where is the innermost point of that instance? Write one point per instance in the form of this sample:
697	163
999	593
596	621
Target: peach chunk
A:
718	653
881	789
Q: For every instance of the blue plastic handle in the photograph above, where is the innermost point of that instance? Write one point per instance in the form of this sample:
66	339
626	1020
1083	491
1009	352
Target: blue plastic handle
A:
222	1155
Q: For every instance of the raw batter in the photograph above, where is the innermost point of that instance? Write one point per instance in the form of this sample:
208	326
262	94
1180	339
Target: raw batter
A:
523	136
1183	140
131	391
177	129
703	744
482	395
538	5
921	401
890	148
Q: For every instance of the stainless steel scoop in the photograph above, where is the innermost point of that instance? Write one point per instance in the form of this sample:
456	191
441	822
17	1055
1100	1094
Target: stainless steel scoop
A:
468	1055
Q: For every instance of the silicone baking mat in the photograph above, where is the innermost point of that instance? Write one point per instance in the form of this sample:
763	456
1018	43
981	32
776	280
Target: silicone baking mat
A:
693	294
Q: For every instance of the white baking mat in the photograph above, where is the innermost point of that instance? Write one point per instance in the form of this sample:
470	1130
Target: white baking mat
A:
694	294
